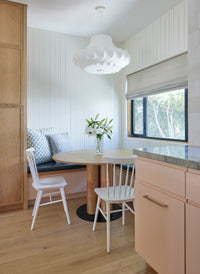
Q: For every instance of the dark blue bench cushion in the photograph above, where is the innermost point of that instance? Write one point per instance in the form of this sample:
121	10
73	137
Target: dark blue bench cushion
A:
56	166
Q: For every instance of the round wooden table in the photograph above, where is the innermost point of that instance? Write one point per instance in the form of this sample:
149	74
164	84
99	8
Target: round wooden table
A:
96	171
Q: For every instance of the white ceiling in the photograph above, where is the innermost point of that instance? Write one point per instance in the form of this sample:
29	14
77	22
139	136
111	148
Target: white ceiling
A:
121	18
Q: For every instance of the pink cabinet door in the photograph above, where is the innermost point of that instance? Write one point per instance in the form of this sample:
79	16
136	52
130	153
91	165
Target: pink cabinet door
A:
159	230
192	239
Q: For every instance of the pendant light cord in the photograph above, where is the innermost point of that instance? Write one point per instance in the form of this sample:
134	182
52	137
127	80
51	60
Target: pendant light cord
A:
100	9
101	17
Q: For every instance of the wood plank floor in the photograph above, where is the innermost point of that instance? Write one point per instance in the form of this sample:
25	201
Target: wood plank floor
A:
56	247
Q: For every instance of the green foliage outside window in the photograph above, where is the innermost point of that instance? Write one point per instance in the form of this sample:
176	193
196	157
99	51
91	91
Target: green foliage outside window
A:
161	116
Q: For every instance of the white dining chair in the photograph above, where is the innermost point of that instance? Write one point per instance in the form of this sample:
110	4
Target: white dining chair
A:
45	184
117	191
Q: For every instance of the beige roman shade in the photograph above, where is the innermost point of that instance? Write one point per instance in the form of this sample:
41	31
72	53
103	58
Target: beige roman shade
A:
165	76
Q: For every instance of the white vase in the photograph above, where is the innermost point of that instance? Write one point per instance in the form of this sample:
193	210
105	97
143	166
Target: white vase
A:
99	145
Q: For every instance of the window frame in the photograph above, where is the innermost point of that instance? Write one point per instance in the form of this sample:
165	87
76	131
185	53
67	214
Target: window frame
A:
145	124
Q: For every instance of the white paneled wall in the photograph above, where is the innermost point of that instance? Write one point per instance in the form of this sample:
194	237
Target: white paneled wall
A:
164	38
194	72
60	95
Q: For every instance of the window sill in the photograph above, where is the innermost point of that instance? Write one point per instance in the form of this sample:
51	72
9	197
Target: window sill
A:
157	139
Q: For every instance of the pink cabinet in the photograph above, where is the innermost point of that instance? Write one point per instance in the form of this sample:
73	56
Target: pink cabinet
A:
159	229
167	220
166	177
160	215
193	222
192	239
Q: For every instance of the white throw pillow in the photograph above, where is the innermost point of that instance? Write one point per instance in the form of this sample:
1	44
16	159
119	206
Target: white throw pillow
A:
59	142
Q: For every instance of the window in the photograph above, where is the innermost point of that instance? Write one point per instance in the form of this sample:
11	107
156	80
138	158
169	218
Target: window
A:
161	116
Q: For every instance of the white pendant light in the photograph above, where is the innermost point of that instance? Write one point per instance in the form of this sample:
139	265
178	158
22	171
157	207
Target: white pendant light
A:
101	56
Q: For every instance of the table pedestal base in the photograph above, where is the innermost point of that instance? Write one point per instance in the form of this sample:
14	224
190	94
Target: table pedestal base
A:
82	213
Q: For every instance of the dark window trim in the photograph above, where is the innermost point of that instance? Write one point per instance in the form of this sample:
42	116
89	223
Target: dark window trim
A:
186	114
145	111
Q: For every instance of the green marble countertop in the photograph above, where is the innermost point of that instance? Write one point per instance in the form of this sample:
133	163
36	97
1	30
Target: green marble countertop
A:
182	155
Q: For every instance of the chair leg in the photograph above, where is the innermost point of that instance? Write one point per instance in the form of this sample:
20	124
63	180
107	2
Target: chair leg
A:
33	213
96	213
108	226
65	204
123	213
37	204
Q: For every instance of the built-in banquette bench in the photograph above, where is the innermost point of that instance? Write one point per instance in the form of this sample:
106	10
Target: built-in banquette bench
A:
75	175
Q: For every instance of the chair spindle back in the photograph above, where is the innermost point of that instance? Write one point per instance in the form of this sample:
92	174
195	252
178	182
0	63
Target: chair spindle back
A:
32	164
124	186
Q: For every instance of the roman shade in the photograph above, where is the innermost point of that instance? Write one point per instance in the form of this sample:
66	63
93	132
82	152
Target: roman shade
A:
164	76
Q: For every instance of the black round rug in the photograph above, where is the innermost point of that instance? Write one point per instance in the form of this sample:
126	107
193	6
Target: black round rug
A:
82	213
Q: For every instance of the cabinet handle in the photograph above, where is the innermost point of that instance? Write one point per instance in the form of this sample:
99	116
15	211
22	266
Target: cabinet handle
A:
154	201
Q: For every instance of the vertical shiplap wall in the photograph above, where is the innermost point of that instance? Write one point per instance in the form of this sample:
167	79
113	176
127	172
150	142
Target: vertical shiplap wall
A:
60	95
194	71
163	39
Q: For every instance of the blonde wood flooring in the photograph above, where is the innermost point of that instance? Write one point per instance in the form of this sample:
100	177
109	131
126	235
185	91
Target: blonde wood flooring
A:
56	247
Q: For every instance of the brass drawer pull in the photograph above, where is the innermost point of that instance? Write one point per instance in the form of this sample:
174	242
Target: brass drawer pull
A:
154	201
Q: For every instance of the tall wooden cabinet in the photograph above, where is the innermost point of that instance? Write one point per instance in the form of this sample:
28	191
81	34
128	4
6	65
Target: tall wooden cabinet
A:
13	29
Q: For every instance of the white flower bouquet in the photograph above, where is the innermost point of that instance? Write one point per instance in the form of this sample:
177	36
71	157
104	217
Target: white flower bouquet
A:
99	128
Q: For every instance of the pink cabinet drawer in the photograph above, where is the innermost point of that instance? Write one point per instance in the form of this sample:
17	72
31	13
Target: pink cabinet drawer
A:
192	239
164	176
159	230
193	187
